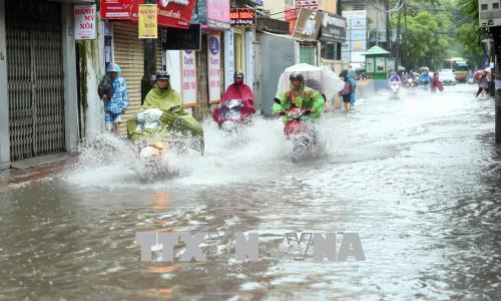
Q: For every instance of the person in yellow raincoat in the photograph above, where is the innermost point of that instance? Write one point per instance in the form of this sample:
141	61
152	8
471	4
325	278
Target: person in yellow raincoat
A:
163	97
300	96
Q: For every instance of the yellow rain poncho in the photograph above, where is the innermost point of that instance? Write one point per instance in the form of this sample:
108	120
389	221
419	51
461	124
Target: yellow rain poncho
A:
178	120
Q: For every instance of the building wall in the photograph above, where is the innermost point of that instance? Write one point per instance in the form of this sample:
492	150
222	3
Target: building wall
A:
375	11
276	6
273	65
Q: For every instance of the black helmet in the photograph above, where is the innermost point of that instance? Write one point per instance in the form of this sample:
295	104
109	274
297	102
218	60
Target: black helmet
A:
163	75
238	74
296	76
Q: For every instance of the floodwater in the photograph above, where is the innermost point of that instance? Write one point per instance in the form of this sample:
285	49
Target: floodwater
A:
418	179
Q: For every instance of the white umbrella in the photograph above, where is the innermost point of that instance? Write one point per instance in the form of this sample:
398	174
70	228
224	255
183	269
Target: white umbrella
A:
322	79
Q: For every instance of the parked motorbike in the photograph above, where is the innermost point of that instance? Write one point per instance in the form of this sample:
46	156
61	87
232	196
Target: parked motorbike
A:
395	89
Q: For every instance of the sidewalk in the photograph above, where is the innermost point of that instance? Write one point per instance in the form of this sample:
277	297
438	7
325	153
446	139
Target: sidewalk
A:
34	169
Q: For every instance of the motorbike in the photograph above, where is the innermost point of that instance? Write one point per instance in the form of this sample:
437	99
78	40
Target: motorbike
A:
230	116
395	89
301	134
410	83
153	139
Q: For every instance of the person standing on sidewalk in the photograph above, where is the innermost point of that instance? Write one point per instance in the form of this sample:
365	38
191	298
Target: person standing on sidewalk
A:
117	104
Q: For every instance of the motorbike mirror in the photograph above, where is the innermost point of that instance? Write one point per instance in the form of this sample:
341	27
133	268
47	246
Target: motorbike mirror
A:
276	100
174	108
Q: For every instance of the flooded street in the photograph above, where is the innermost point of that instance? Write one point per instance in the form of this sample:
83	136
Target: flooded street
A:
417	178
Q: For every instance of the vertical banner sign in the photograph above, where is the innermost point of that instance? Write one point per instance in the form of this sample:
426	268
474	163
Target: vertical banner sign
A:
148	21
229	60
189	82
214	67
85	22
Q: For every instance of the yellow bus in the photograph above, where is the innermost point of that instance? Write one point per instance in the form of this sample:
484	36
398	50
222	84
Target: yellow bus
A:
459	66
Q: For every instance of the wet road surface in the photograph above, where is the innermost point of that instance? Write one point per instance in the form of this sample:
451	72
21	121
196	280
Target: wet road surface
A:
417	178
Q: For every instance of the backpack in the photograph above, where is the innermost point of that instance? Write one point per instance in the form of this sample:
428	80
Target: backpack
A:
348	88
105	87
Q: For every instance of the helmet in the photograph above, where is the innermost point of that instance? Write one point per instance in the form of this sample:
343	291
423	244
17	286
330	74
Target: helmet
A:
393	73
112	67
163	75
296	76
238	74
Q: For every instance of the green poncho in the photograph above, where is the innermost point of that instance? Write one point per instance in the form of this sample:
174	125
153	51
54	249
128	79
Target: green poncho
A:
178	120
308	99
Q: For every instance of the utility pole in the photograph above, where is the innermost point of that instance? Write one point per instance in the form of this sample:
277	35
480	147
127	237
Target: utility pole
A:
387	7
496	35
147	81
397	40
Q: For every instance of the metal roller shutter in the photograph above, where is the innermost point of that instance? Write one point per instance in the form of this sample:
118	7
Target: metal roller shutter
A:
35	78
129	54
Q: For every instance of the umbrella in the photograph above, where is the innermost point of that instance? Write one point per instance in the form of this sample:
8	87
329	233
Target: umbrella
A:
322	79
479	73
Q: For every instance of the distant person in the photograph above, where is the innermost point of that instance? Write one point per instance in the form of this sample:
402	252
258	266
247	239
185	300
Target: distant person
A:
483	85
347	91
115	105
435	84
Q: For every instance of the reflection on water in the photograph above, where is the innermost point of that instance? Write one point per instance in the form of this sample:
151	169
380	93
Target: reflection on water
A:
418	178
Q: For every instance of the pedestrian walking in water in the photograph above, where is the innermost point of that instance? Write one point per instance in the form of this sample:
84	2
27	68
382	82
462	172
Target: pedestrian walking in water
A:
483	85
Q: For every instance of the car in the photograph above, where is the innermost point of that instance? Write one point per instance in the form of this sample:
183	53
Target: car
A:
447	77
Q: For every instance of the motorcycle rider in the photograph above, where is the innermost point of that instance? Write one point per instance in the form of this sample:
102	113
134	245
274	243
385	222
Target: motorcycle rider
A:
240	91
394	79
163	97
299	96
425	79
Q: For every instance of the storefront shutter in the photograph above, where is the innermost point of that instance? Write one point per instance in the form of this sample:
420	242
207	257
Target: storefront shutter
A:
129	54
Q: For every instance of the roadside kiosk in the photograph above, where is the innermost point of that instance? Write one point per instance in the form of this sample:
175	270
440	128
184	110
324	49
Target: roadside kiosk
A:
376	60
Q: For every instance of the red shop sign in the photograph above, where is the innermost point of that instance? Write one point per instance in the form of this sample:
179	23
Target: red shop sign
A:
117	9
171	13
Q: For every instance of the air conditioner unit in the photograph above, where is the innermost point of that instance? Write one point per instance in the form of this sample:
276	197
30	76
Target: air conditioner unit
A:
489	13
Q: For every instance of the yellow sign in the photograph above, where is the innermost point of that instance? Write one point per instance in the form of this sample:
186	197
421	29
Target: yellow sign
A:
148	21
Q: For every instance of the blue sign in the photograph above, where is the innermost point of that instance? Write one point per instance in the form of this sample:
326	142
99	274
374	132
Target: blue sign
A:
214	45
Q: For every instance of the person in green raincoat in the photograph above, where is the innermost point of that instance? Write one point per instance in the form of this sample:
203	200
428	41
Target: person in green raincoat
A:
163	97
300	96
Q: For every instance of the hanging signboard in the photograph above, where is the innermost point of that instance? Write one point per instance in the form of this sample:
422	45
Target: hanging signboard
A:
308	24
175	13
182	39
116	9
333	29
171	13
243	17
148	21
85	22
214	47
189	77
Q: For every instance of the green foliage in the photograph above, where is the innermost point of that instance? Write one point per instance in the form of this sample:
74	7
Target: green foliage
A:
438	29
426	39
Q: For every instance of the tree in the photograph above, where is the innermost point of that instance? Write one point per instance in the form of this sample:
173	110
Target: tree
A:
427	34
